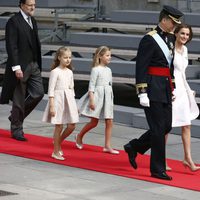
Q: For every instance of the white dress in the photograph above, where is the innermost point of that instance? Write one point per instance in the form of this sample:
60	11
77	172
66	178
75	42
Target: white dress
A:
184	108
61	87
101	84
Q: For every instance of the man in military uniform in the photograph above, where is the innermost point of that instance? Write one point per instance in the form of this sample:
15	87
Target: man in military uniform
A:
154	84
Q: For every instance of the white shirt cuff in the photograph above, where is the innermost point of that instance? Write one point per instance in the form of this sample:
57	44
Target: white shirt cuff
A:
16	68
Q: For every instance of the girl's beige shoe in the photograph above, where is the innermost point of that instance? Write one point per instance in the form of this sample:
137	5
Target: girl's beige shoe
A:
57	157
110	150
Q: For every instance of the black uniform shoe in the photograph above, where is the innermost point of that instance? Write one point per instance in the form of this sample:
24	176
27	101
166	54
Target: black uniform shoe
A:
162	175
132	154
19	137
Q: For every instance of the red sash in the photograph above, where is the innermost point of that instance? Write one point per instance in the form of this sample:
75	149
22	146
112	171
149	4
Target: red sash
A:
161	71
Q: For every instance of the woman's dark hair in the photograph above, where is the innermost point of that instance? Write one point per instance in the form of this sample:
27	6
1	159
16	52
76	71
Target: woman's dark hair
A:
180	26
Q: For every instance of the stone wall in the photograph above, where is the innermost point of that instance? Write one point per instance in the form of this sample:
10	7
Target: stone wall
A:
108	5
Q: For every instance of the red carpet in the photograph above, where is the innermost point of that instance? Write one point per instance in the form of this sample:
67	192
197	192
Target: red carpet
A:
92	158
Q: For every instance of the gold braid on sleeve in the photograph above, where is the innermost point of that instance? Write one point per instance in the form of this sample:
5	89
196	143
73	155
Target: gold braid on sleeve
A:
141	88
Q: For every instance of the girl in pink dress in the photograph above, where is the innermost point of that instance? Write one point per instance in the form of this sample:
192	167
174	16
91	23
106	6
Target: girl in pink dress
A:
61	108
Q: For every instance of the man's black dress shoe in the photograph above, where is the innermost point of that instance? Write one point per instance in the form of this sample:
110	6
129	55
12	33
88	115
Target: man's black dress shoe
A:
162	175
19	137
132	154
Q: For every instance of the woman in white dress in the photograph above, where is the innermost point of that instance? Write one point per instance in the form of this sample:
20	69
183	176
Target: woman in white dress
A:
98	101
61	108
184	107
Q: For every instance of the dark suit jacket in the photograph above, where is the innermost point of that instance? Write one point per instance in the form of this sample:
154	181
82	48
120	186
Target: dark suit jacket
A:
21	51
150	54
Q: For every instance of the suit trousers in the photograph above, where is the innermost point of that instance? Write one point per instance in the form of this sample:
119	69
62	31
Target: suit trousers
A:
27	94
159	119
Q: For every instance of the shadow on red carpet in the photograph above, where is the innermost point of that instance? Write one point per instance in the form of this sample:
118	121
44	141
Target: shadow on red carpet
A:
92	158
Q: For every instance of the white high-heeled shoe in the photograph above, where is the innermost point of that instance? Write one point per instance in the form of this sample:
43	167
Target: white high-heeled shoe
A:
192	168
57	157
61	153
168	168
79	146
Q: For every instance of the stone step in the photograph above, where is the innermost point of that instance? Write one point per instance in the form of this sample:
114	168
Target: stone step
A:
195	85
135	117
124	41
149	17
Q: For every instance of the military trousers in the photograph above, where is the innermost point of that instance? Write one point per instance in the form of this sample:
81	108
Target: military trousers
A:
159	119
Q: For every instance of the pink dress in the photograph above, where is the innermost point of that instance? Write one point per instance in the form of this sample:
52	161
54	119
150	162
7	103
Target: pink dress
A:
61	87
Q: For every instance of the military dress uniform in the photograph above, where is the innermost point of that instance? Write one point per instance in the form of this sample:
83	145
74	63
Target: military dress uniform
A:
151	59
154	85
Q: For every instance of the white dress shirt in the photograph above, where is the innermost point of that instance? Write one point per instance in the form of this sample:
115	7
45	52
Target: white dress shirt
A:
17	67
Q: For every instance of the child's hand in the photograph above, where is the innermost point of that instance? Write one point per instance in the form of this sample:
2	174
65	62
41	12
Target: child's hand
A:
52	111
92	106
91	97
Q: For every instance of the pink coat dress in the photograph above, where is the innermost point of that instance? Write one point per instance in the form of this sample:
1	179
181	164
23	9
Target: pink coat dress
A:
61	87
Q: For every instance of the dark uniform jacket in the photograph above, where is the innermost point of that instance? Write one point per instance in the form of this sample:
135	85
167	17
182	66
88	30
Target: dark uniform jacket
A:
150	54
23	47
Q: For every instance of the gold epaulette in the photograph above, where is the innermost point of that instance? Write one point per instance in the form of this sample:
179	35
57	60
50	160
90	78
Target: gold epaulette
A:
141	88
152	32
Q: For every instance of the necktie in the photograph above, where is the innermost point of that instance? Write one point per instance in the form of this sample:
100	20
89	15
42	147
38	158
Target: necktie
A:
29	22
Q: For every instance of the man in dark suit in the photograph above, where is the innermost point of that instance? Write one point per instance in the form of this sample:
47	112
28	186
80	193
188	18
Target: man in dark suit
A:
154	84
22	81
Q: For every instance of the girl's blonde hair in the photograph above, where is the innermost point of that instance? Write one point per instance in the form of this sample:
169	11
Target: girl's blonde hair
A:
59	53
100	51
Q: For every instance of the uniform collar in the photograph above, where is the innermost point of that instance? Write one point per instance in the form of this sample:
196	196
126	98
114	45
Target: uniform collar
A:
160	31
